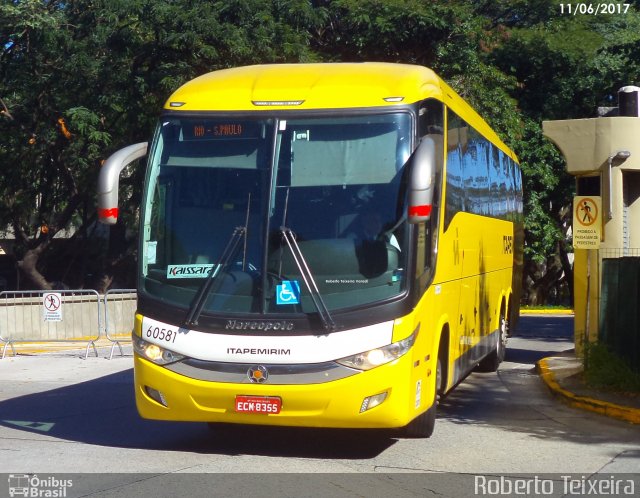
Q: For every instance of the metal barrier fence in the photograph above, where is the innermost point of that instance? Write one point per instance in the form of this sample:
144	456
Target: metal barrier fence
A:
50	316
618	252
119	312
38	316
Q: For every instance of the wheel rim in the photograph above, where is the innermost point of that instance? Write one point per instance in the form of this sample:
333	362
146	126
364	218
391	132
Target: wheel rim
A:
502	340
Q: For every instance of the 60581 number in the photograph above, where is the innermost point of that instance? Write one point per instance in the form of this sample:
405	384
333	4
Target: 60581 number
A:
162	334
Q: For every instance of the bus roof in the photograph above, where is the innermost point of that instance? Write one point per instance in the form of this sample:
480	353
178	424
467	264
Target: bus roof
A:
321	86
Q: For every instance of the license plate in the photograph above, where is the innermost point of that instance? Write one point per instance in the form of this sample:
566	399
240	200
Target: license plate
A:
258	404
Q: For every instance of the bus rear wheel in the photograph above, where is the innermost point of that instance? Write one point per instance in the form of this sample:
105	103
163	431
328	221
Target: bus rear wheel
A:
422	426
492	362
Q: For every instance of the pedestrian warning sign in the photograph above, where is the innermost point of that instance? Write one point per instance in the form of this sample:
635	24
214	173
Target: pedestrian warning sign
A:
587	222
52	306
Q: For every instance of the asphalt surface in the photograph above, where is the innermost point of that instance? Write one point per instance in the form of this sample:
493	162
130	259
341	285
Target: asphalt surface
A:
76	415
562	372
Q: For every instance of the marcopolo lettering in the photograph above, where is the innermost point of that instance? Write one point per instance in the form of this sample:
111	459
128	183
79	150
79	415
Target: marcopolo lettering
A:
263	325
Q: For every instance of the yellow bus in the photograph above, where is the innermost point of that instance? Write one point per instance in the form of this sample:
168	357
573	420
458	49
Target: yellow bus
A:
321	245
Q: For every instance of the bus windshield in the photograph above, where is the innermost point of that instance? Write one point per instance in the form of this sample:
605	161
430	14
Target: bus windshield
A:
222	194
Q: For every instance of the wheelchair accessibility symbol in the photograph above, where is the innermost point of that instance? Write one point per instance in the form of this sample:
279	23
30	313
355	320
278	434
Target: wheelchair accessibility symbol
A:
288	292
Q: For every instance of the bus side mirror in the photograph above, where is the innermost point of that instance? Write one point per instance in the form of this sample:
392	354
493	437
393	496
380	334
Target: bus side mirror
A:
422	181
109	179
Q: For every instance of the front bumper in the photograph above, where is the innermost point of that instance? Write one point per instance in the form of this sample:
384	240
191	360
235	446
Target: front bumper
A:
336	403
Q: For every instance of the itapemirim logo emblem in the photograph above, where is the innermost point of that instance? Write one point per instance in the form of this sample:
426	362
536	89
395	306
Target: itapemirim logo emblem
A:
258	374
36	487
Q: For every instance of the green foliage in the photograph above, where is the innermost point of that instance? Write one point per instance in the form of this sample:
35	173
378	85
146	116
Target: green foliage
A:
565	67
388	31
548	190
605	370
81	78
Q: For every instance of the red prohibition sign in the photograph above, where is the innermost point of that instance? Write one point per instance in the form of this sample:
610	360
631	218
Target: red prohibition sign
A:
587	212
52	302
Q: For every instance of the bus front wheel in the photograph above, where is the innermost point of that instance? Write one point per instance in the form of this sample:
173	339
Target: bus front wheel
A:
422	426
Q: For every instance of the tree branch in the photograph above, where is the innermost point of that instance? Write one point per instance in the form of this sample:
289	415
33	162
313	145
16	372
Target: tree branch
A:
5	110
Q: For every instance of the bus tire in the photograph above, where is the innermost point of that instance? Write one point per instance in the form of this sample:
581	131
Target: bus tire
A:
493	360
422	426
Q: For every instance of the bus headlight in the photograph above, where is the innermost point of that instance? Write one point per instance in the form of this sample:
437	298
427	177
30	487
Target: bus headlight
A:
154	353
379	356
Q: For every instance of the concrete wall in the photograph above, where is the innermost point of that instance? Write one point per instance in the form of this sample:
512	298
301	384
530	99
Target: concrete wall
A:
22	316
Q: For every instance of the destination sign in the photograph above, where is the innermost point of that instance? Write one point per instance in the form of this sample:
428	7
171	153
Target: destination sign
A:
227	130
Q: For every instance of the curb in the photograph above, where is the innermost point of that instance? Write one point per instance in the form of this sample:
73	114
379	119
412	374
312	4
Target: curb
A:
75	344
595	405
547	312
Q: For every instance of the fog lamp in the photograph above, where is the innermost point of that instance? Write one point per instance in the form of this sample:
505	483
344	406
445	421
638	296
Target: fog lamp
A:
156	395
372	401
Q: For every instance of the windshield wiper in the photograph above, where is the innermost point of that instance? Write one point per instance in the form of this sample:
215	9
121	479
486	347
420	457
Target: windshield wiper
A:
327	320
205	289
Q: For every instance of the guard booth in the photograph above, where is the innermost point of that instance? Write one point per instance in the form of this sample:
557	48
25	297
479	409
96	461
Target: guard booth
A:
603	154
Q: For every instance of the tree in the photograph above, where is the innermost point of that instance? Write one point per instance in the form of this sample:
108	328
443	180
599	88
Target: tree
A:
81	78
565	67
518	62
35	131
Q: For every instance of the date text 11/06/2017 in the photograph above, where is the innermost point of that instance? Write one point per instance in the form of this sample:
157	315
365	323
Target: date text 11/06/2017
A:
593	9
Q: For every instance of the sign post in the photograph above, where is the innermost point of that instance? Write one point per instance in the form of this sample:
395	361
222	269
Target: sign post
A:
587	231
52	306
587	224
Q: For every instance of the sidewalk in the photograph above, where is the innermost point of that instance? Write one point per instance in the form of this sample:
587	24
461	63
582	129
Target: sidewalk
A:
88	346
563	376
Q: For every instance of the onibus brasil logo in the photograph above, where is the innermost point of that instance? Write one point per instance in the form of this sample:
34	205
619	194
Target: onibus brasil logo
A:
34	486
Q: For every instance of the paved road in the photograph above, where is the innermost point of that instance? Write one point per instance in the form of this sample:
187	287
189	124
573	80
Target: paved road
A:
61	414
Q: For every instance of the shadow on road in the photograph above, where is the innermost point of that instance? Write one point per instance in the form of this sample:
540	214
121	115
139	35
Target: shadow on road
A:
529	356
516	400
546	326
102	412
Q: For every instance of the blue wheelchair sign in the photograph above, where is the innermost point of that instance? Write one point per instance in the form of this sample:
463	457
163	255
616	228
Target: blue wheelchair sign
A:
288	292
